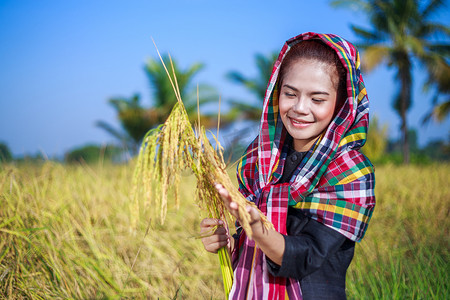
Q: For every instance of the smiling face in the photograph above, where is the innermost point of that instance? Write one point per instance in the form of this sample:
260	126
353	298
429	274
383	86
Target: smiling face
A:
307	100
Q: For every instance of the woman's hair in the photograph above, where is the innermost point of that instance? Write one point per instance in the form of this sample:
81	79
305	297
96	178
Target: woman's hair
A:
319	51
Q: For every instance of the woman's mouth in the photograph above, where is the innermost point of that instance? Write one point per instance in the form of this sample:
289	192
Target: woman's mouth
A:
299	123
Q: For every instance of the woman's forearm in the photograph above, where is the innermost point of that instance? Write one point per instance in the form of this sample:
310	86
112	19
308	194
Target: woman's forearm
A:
270	242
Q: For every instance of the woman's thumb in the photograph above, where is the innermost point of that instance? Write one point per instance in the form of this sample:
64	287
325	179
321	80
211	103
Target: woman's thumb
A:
254	214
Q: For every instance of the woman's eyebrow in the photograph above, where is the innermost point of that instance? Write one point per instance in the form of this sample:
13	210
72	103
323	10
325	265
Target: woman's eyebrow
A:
312	93
290	87
319	93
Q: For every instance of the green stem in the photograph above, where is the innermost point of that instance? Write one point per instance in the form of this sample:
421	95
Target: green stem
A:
227	270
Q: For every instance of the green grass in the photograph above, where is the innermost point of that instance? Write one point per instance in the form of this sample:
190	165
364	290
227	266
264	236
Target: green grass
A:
73	232
405	254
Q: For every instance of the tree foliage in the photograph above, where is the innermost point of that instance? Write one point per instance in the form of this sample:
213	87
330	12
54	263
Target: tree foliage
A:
402	33
92	154
440	105
257	86
377	140
5	153
136	119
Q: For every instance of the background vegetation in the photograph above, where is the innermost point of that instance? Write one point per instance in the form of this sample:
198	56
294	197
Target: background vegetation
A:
403	35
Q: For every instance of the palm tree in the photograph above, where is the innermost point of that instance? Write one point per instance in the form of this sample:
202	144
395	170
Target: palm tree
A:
402	33
136	120
244	109
257	86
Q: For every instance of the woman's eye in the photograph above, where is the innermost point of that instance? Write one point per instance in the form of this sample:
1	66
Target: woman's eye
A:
318	100
289	94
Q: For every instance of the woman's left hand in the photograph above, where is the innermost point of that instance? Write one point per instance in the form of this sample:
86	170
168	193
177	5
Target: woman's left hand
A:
255	218
269	241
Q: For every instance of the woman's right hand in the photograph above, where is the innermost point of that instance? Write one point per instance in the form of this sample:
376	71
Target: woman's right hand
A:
219	238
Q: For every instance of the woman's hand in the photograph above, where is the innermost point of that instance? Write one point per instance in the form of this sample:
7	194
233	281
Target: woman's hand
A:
255	218
219	237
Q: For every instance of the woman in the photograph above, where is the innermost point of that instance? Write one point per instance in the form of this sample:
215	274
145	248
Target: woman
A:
306	174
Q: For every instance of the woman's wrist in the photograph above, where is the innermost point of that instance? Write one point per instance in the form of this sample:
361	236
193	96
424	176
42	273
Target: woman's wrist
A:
257	229
270	241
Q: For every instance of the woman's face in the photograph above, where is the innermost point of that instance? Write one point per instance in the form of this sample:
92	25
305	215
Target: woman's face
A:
307	101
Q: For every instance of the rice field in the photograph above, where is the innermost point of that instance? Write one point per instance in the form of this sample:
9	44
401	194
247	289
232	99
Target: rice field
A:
73	232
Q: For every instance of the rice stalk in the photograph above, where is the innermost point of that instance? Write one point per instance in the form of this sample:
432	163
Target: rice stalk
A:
174	148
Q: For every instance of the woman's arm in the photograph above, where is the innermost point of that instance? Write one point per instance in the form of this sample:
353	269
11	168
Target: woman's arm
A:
309	246
294	255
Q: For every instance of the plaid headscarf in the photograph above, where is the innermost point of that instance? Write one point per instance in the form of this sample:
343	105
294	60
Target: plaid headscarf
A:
334	183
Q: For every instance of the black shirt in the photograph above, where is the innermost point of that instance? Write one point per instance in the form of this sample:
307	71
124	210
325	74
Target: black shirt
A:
315	254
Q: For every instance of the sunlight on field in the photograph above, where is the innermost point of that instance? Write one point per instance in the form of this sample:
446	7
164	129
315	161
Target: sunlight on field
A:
405	254
73	232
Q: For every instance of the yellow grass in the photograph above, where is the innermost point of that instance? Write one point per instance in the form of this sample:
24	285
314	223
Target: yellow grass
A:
67	232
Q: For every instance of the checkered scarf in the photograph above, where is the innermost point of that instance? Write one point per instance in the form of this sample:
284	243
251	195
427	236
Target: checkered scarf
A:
334	183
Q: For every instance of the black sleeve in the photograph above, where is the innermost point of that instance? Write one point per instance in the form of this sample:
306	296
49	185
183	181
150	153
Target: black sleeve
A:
237	234
307	246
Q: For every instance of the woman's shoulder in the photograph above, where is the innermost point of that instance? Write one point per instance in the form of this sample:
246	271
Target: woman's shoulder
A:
347	167
352	155
352	160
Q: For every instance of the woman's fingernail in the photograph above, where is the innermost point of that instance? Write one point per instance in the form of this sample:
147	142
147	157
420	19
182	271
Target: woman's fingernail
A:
220	222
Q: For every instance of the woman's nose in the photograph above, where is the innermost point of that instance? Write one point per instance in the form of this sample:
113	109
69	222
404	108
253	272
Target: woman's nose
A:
300	106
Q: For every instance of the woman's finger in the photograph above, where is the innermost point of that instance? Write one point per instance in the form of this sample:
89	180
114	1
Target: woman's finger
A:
226	198
210	222
223	192
215	246
217	240
254	214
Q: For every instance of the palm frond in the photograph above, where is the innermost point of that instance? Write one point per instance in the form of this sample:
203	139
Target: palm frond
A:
372	36
236	77
438	113
119	104
114	132
432	29
352	4
442	110
432	7
440	49
374	55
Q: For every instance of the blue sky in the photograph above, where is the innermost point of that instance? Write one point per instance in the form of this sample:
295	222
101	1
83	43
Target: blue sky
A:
62	60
